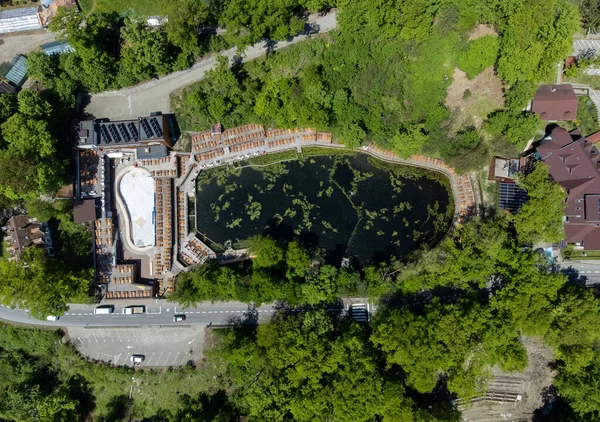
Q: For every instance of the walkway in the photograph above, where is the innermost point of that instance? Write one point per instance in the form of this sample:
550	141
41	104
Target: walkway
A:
154	95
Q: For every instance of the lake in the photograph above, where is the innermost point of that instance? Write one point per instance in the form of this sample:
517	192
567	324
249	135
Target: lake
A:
348	205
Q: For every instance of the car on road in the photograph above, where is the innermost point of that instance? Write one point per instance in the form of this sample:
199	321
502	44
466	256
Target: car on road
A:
51	318
104	309
178	318
137	358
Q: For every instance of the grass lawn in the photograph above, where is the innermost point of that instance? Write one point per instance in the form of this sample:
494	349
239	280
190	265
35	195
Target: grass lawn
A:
571	253
123	7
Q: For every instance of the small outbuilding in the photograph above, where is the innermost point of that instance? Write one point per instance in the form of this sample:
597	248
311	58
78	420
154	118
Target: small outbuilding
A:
555	102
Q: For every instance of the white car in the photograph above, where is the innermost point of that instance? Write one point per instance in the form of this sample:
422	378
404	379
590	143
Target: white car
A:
178	318
137	359
51	318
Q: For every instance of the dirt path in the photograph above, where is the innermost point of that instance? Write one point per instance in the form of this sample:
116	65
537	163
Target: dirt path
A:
11	45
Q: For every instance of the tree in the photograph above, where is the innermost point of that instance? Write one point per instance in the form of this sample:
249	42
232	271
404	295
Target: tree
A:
43	68
8	106
304	366
409	141
26	284
144	53
540	218
450	337
32	104
480	54
27	136
265	251
297	260
185	20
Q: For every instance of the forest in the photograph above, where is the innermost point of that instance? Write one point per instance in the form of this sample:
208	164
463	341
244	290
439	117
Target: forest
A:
310	362
383	77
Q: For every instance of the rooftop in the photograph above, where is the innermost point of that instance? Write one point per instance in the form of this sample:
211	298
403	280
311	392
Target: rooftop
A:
125	133
18	72
22	19
555	102
574	163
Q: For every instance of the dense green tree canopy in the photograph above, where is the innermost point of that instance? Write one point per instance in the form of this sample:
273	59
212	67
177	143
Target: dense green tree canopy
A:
540	218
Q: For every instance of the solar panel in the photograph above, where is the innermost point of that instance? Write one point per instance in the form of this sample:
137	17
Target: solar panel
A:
512	197
124	132
146	128
114	133
156	127
105	134
133	130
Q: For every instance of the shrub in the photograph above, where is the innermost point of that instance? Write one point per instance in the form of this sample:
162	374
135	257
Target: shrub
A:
480	54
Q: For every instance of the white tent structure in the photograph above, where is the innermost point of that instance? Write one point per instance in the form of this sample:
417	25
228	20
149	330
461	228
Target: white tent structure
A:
17	20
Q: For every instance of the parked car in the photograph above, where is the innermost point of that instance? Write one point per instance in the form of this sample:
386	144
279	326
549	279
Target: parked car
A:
178	318
51	318
137	358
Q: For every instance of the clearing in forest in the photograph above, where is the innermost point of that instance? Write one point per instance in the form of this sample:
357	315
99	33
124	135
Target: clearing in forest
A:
482	30
470	101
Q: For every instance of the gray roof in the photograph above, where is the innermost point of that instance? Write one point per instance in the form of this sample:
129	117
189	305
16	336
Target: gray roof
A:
151	151
18	72
16	20
56	47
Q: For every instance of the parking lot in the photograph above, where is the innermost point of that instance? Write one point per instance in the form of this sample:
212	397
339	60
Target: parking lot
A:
160	346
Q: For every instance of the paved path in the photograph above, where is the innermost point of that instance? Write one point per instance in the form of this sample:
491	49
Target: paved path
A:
151	96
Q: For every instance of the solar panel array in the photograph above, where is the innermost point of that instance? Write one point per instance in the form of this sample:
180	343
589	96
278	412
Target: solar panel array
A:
146	128
129	132
512	197
156	127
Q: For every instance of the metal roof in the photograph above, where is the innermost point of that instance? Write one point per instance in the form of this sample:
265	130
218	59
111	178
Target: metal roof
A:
56	47
16	20
18	72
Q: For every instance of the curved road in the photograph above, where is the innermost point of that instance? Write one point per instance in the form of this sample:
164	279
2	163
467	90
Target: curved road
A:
154	95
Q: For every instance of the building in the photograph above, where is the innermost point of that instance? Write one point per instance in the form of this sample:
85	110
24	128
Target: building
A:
22	232
49	8
575	163
17	73
18	20
145	131
56	48
555	102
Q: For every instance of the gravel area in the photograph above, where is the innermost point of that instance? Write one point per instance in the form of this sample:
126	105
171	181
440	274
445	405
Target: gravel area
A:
11	45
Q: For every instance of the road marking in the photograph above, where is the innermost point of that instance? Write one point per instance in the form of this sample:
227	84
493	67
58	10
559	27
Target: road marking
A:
203	312
79	314
130	347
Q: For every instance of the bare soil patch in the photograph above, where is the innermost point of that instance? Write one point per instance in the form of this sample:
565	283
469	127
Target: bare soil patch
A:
530	385
22	44
482	30
470	101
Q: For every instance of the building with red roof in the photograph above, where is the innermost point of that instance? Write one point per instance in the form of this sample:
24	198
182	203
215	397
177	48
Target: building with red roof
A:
574	164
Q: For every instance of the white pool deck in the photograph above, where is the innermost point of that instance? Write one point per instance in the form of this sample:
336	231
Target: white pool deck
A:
137	190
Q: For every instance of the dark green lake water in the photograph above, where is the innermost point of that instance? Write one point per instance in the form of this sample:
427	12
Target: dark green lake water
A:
348	205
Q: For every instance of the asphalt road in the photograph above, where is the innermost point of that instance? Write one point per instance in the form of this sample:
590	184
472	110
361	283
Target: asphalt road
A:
154	95
158	313
588	269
